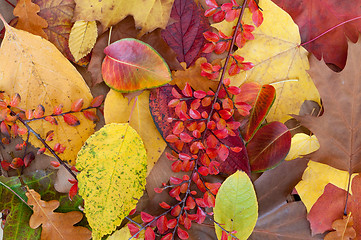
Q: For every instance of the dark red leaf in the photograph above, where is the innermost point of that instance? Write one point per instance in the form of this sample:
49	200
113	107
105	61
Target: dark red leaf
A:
185	35
169	236
4	129
91	115
164	205
175	180
172	223
71	120
77	105
162	224
201	216
149	234
187	91
182	234
73	191
199	94
51	120
29	157
269	146
5	165
146	217
97	101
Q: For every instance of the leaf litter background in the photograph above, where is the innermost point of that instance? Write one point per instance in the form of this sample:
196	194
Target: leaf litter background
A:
279	217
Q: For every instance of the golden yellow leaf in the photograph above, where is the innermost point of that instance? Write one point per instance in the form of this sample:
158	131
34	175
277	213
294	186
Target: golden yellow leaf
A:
148	14
124	234
315	178
34	68
82	38
55	226
301	145
278	60
117	109
113	165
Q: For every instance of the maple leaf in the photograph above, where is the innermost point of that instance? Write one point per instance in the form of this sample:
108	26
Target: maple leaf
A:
148	14
316	17
185	35
29	20
338	130
55	225
37	77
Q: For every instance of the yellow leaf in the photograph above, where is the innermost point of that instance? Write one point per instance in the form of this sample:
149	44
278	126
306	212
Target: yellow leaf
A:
236	206
34	68
113	165
55	226
315	178
148	14
124	234
82	38
301	145
278	60
117	110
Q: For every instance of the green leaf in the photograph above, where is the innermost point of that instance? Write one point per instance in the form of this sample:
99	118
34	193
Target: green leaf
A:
236	206
113	165
131	65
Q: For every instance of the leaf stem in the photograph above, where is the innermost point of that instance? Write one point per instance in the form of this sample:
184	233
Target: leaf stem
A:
10	3
329	30
347	193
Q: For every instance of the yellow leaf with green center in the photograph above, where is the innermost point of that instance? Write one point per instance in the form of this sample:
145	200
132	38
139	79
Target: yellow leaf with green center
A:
117	109
82	38
113	165
278	60
236	206
302	144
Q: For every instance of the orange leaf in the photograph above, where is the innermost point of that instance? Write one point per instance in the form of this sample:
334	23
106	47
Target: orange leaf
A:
29	20
55	225
343	229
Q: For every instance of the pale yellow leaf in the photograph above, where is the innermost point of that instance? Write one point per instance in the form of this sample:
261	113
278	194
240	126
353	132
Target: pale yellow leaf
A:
124	234
117	110
301	145
278	60
82	38
148	14
315	178
34	68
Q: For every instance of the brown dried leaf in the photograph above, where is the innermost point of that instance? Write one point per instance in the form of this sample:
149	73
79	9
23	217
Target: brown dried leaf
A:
343	229
29	20
55	225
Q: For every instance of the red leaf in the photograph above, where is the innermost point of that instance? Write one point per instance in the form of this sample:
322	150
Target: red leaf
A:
149	234
16	163
185	35
201	216
223	152
4	129
260	110
175	180
169	236
190	203
51	120
162	224
133	229
5	165
77	105
97	101
178	127
71	120
269	146
56	111
91	115
39	111
49	136
199	94
15	100
211	36
55	164
172	223
187	223
182	234
194	114
203	171
175	212
73	191
164	205
185	137
211	3
29	157
146	217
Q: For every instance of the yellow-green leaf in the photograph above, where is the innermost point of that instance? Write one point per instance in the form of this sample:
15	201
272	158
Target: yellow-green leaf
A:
236	206
302	144
113	165
34	68
82	38
117	109
278	60
315	178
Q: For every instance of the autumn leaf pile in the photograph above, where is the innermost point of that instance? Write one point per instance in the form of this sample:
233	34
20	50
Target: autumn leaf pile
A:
180	119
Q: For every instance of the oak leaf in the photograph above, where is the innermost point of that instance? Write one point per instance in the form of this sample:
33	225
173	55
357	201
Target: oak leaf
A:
55	225
343	229
278	60
338	129
315	17
38	76
29	20
148	14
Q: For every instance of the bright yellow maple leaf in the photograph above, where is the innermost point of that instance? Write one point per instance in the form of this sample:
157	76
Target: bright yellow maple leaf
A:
148	14
117	109
34	68
278	60
82	38
113	165
302	144
314	180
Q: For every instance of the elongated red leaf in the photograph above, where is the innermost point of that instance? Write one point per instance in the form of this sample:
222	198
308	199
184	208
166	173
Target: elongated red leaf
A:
264	101
131	65
269	146
185	35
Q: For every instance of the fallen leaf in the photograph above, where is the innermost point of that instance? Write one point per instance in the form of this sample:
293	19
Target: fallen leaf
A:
123	234
343	229
117	109
314	18
132	65
29	20
55	225
278	60
148	14
113	166
185	34
37	76
302	144
337	129
236	206
82	38
192	75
